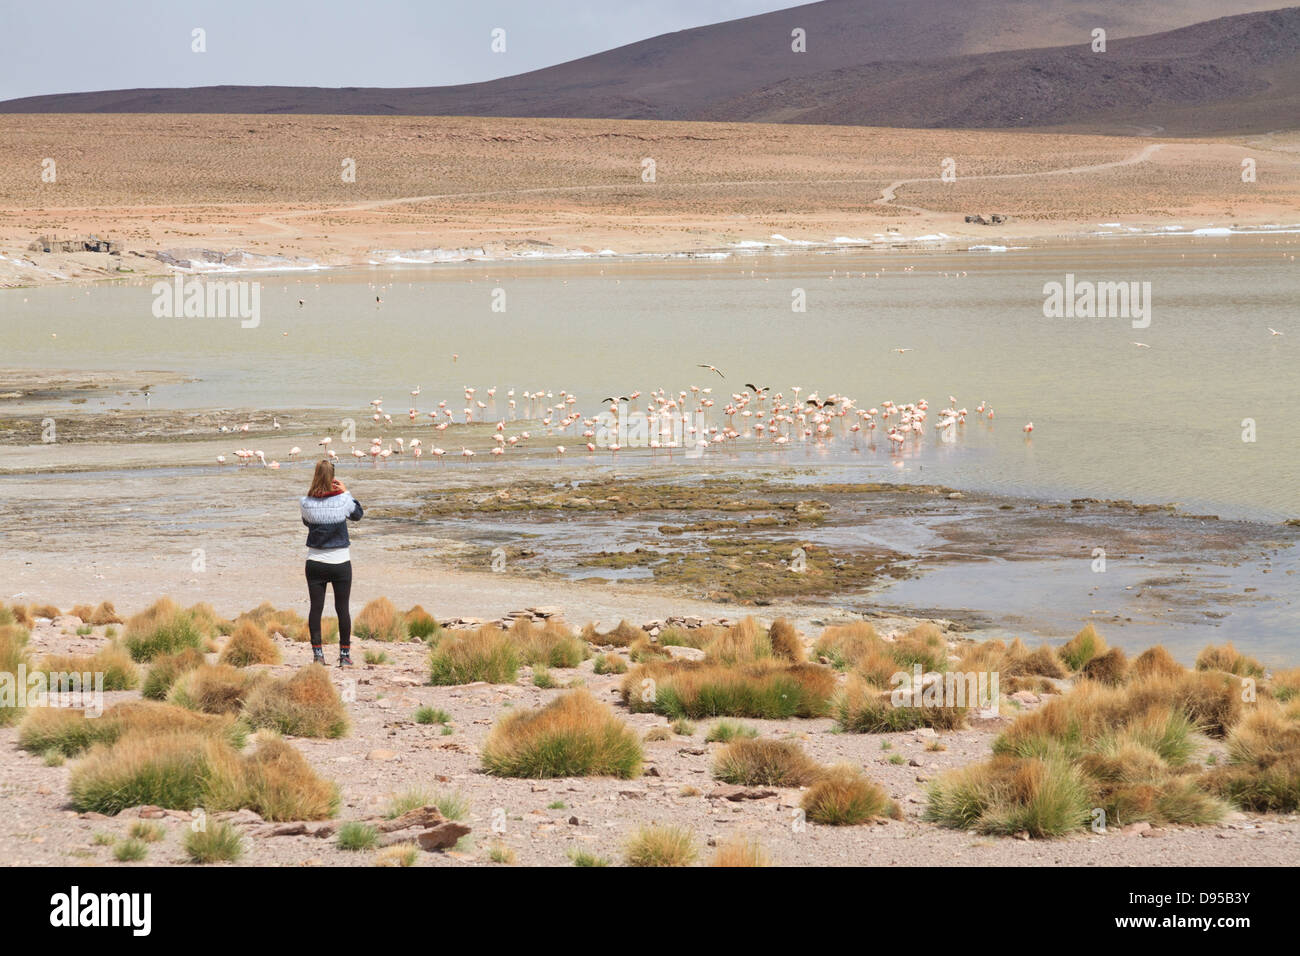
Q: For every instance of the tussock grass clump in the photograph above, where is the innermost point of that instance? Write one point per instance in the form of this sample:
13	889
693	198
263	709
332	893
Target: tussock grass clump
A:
740	851
1285	684
863	708
288	624
843	796
696	637
725	731
769	763
130	851
1263	769
843	646
181	771
84	612
1156	662
924	645
742	643
609	664
421	624
380	621
585	858
761	689
661	846
305	704
399	854
13	656
1082	648
1108	668
355	836
218	843
1007	795
111	660
249	644
431	715
6	616
643	650
620	636
146	831
104	613
44	610
214	688
162	628
550	644
1228	659
69	731
572	736
785	641
486	654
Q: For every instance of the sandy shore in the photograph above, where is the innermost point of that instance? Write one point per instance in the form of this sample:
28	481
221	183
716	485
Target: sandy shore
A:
259	192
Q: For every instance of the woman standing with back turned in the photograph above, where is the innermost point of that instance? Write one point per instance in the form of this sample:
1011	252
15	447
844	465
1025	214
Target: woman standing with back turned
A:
326	510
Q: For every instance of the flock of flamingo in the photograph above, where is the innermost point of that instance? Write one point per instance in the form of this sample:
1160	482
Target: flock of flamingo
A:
668	422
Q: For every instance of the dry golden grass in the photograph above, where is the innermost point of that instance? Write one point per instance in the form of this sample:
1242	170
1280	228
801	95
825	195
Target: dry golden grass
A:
785	641
1156	661
1285	685
70	731
843	646
763	762
1008	795
13	656
741	643
1263	771
572	736
550	644
305	704
1228	659
249	644
740	851
112	661
104	613
486	654
288	624
1083	647
166	668
83	611
1108	668
182	771
165	628
843	796
621	636
44	610
661	846
764	688
380	621
420	623
862	707
214	688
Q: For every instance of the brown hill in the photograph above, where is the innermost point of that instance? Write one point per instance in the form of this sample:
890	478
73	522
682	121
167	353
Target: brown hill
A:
991	63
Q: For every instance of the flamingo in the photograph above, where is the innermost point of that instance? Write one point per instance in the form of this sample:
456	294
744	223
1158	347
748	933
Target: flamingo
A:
294	452
1028	428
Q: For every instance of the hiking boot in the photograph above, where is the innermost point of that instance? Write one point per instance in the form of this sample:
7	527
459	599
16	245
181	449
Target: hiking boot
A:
345	657
317	655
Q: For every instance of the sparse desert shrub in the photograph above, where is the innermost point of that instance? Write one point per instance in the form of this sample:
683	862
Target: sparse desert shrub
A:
584	858
431	715
486	654
219	842
146	831
655	734
542	678
249	644
500	853
844	645
1156	662
280	784
661	846
785	641
380	621
305	704
762	689
620	636
725	731
768	763
843	796
421	624
1007	795
214	688
1108	668
1227	658
130	851
608	664
550	644
862	708
111	660
572	736
1082	648
83	611
69	731
162	628
44	610
740	851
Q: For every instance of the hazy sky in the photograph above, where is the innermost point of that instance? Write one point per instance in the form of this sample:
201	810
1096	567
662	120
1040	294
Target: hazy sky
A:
69	46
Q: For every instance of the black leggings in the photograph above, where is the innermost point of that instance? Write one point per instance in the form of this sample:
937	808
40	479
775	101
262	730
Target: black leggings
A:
319	574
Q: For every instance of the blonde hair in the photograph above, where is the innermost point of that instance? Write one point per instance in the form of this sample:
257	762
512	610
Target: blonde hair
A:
322	481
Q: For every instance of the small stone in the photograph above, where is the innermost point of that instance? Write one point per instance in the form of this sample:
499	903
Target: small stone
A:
382	755
443	836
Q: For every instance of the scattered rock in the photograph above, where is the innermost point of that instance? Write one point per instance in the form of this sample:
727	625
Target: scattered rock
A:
382	755
442	837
